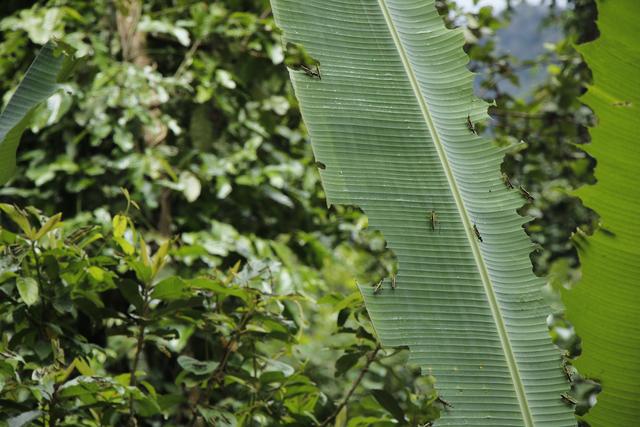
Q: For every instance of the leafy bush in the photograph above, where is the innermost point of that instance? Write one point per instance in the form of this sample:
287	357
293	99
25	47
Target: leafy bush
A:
99	330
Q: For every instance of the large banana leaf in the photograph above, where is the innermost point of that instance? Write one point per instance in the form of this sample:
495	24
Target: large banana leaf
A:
388	112
605	305
39	83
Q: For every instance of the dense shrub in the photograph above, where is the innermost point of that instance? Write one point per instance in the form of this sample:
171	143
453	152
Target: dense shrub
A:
98	329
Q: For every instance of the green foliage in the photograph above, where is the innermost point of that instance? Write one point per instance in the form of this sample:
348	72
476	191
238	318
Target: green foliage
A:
603	305
99	330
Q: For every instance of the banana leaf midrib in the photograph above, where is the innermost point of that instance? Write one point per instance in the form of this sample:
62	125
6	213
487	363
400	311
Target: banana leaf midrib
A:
473	241
401	156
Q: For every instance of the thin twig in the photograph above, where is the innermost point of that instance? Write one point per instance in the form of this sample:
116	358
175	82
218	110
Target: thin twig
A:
265	13
370	359
41	287
53	417
188	59
217	376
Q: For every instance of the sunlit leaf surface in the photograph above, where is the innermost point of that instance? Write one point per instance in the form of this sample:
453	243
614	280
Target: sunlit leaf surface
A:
604	305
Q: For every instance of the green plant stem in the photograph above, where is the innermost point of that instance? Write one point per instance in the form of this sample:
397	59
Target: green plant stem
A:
254	394
53	418
188	59
370	359
40	280
217	376
37	262
133	381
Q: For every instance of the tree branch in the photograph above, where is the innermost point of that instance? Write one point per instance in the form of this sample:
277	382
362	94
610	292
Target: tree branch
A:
356	383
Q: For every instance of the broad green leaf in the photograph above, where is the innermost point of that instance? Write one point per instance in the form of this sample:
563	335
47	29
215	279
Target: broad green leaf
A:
191	186
49	225
28	290
84	386
23	419
143	271
126	247
196	366
144	253
19	217
131	292
171	288
341	418
80	365
604	306
146	406
346	362
273	365
150	389
387	113
119	223
160	256
219	288
389	403
38	84
97	273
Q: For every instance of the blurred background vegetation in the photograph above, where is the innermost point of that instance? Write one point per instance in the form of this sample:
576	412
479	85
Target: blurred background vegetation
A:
197	276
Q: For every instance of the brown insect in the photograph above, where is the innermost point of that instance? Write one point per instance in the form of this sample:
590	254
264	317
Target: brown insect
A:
568	399
567	370
79	234
433	218
313	73
475	229
394	285
507	181
526	194
471	126
622	104
444	402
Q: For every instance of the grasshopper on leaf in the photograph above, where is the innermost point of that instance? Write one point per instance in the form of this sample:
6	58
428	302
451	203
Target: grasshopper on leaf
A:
475	229
378	288
471	126
568	399
433	219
